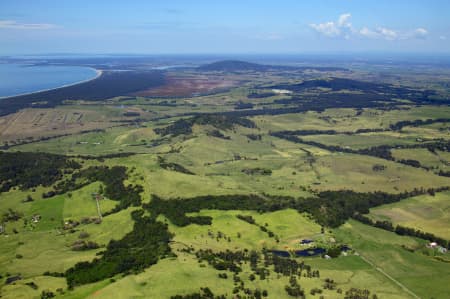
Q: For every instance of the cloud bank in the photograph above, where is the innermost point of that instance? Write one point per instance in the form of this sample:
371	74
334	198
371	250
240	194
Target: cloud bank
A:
343	28
10	24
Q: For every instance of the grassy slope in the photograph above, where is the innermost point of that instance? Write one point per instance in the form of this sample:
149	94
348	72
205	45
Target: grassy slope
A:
425	212
184	275
292	170
423	275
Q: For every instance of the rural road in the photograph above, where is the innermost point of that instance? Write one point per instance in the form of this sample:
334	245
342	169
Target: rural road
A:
390	277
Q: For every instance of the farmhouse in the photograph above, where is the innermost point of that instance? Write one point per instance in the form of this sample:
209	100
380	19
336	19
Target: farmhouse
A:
36	218
432	245
281	91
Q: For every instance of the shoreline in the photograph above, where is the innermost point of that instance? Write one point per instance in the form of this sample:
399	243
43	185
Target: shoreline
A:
97	71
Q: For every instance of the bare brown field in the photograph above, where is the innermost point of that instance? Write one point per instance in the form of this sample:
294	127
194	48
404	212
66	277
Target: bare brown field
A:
178	86
34	124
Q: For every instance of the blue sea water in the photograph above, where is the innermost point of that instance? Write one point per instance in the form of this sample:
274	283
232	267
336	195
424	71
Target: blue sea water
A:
19	79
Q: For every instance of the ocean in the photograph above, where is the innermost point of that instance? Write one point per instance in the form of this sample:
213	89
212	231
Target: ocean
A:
18	79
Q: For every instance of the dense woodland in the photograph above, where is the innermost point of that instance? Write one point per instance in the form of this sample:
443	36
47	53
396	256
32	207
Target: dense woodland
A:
329	208
29	170
142	247
113	179
219	121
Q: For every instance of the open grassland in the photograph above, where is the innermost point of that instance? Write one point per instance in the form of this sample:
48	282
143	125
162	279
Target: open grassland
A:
225	159
22	291
85	144
185	275
35	124
361	140
288	225
31	248
418	272
219	164
427	213
436	130
344	120
355	172
437	160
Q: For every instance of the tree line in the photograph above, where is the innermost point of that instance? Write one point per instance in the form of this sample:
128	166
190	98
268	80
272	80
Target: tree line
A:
380	151
328	208
28	170
137	250
219	121
113	179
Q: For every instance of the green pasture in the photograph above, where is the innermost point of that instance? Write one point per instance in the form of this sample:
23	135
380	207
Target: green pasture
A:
425	212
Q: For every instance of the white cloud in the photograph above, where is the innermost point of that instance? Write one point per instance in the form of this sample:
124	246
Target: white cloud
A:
344	28
343	20
328	29
387	33
420	33
10	24
366	32
334	29
378	33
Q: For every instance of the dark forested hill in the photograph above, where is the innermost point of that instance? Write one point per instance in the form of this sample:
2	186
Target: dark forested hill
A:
238	65
233	65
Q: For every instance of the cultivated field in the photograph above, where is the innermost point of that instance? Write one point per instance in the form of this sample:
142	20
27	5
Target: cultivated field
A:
164	193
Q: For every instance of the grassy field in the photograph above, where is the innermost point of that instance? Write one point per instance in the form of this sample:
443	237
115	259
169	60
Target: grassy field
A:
420	273
436	161
245	161
355	172
344	120
45	246
184	275
427	213
361	140
288	225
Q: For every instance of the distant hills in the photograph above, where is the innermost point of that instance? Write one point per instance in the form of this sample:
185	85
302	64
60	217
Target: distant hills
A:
238	65
234	65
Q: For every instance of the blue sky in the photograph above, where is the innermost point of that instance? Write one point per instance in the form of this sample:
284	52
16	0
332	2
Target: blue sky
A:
181	27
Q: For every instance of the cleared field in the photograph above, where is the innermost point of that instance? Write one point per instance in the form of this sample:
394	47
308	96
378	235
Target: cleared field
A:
355	172
35	124
436	130
344	120
359	141
185	275
44	245
90	143
219	164
420	273
437	161
188	85
222	159
288	225
427	213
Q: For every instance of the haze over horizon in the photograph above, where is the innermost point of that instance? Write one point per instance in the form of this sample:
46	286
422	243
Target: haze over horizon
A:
252	27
